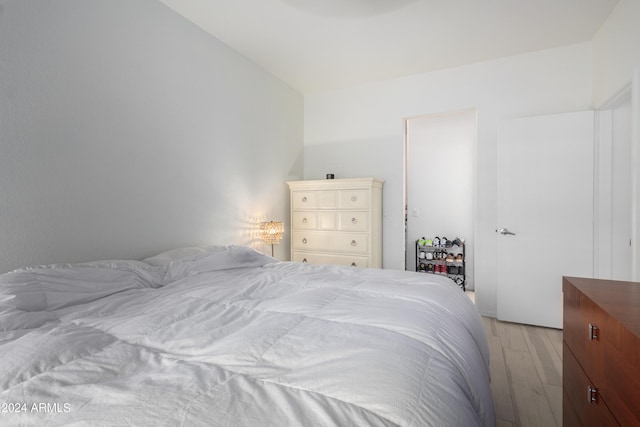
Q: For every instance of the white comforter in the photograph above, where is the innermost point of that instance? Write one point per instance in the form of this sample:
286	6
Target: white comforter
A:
229	337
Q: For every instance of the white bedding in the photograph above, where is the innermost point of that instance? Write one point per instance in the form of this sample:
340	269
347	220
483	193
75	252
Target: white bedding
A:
229	337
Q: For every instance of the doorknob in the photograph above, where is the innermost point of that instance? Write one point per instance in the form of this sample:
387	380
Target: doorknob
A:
505	232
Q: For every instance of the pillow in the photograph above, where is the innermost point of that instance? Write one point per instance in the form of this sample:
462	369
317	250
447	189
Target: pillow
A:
62	285
165	258
216	258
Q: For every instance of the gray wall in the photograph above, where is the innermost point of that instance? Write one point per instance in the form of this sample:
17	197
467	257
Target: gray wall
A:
126	130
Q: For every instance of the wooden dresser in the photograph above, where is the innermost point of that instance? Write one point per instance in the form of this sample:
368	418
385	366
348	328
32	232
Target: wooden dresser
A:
337	221
601	353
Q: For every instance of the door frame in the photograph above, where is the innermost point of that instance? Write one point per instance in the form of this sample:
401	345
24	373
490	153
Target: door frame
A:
470	247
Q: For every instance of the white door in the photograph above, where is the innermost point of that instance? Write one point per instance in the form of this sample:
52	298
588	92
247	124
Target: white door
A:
545	198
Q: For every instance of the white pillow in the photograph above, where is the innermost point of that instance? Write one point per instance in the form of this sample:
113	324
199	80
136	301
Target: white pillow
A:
165	258
61	285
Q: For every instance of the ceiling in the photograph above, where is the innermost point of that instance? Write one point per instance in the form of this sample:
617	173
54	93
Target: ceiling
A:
319	45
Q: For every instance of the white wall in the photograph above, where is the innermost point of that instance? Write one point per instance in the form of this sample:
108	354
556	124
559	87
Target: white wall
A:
126	130
616	51
360	131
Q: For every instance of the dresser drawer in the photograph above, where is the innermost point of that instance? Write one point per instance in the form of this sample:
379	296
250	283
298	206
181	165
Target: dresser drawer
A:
581	396
329	199
583	324
315	199
354	199
354	221
354	243
321	258
314	221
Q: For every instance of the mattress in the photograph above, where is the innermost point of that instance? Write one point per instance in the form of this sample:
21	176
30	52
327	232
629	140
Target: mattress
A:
226	336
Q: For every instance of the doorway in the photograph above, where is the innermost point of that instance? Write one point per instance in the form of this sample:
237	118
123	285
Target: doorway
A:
614	190
439	190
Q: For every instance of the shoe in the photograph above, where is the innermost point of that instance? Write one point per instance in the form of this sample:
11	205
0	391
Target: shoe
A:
436	242
449	258
457	242
421	242
452	269
429	255
459	258
428	242
444	242
430	268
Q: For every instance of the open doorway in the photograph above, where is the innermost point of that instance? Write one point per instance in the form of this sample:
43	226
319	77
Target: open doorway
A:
439	190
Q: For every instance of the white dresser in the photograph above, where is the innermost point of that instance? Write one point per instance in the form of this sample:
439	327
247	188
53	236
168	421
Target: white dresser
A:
337	221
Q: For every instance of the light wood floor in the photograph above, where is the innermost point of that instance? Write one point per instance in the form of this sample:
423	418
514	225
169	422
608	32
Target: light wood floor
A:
526	373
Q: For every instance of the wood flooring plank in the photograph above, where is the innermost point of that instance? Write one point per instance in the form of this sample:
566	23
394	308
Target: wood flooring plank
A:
511	336
544	356
500	388
489	326
526	373
554	395
555	336
532	406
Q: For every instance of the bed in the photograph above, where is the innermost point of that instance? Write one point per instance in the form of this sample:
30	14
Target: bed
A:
226	336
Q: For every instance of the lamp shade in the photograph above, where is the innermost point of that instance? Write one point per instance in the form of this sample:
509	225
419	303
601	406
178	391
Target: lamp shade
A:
271	232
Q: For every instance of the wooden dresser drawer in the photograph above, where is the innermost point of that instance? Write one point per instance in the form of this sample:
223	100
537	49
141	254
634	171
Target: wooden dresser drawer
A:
322	258
579	401
582	330
354	243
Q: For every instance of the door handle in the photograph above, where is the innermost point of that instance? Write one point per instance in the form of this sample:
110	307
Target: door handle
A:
505	232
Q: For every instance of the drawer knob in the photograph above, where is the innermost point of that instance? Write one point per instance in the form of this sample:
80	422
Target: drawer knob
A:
593	332
304	240
304	260
353	264
304	220
354	198
354	243
592	394
354	220
304	199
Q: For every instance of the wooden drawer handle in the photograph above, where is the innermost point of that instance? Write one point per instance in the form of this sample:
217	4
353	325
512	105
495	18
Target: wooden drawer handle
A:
593	332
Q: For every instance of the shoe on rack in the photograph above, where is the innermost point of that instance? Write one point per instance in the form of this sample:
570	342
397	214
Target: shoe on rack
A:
428	242
457	242
444	242
450	258
436	242
459	258
430	268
